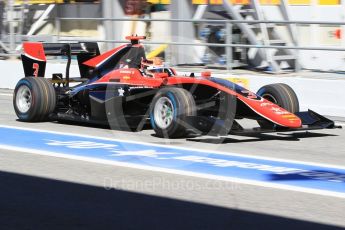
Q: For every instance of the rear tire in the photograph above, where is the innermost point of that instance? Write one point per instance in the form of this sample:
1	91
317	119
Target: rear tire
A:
34	99
282	95
169	109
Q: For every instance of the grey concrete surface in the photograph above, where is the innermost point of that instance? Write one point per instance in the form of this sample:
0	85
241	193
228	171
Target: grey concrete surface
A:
41	192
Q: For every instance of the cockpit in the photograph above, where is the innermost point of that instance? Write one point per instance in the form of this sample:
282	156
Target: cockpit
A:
153	70
151	67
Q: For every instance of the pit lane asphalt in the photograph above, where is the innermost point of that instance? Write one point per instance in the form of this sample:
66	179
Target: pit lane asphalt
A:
48	192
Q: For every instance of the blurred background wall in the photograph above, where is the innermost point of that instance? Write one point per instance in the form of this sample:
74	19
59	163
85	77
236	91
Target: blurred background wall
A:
73	20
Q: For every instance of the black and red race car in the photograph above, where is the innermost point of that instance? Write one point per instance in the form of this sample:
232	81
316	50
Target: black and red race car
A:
122	89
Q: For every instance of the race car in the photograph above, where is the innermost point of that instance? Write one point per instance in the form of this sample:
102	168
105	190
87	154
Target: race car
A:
123	89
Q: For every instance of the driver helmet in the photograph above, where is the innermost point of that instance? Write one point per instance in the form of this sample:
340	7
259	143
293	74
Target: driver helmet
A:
149	67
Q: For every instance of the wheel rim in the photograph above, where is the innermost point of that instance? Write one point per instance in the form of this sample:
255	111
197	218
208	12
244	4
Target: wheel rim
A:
163	112
23	99
270	98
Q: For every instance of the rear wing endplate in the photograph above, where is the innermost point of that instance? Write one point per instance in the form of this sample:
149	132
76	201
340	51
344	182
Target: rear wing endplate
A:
34	56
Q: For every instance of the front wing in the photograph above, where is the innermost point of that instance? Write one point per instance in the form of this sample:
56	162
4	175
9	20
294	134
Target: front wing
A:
217	127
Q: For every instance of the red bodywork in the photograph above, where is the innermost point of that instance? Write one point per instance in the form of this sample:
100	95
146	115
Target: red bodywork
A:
34	50
259	105
95	62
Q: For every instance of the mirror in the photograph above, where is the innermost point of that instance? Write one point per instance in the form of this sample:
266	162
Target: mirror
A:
206	74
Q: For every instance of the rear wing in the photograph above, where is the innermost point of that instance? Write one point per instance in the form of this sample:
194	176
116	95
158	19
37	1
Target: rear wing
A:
34	56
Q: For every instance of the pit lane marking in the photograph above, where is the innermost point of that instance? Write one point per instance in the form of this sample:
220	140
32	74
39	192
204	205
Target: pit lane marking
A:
177	147
92	152
177	172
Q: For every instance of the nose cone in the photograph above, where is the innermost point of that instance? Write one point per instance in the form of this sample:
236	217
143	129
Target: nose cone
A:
291	121
273	112
278	115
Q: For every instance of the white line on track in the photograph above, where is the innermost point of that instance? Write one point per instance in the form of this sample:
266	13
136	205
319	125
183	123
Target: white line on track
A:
179	147
177	172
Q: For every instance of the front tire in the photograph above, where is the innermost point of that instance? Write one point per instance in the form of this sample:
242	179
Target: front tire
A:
169	109
34	99
282	95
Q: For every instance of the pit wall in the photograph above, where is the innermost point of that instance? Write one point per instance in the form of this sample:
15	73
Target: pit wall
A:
325	95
